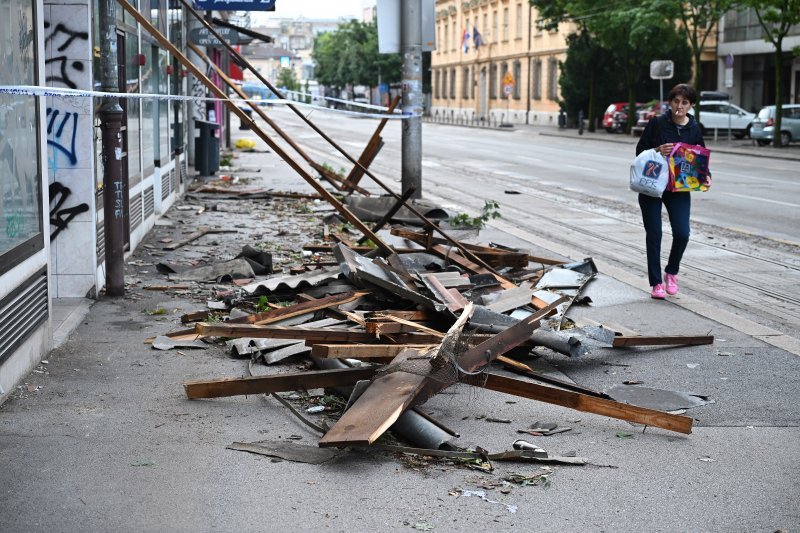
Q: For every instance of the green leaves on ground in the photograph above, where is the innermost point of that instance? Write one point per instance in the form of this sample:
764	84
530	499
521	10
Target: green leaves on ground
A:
491	210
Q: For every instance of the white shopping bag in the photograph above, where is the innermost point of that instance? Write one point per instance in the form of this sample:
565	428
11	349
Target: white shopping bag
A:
649	173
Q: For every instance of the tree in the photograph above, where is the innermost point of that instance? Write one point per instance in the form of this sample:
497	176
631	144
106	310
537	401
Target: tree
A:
287	80
776	18
349	56
633	35
698	19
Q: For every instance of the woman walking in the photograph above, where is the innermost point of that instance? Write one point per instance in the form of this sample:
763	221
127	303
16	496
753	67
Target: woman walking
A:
662	132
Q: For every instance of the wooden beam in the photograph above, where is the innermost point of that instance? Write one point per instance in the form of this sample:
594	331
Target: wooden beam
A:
371	150
218	388
666	340
235	110
589	404
363	351
311	335
453	254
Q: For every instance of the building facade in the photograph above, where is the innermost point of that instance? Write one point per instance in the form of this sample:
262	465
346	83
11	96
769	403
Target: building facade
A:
746	62
51	183
493	62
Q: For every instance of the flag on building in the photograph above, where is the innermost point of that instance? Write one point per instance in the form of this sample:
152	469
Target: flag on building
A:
477	40
465	40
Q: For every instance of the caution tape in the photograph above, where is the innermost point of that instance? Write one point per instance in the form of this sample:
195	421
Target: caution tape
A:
59	92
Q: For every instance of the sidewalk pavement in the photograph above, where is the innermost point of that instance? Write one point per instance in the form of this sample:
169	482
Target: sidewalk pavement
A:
101	437
745	146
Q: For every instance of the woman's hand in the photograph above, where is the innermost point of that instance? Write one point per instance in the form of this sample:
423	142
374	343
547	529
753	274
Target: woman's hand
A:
666	149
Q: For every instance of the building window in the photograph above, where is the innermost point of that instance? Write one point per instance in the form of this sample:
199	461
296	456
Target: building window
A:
453	83
474	82
494	26
505	24
485	26
436	81
501	87
456	40
493	81
519	21
517	79
465	83
444	83
552	79
536	79
446	37
21	233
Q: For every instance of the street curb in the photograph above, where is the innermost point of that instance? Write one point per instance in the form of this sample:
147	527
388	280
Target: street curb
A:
716	149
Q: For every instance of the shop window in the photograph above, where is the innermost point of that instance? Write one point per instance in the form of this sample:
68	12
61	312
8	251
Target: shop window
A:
453	83
493	81
552	79
21	232
465	83
517	79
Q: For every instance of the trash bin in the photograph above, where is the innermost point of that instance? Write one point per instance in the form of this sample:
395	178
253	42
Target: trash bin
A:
242	124
206	148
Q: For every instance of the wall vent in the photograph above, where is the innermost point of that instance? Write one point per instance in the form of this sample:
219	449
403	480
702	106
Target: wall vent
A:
136	211
149	203
23	311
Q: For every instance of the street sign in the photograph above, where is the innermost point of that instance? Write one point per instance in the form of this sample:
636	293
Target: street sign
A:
662	70
235	5
203	37
508	79
729	71
508	90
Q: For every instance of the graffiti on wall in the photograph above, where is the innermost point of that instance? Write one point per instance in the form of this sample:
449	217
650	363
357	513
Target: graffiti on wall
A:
60	217
62	132
61	38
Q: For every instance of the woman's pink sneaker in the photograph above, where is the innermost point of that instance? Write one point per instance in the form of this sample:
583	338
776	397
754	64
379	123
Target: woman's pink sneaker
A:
672	283
658	292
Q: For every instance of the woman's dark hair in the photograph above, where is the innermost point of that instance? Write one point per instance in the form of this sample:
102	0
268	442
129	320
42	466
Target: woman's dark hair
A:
682	89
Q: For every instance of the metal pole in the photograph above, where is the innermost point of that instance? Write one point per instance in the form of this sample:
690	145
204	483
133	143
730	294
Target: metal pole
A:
411	165
111	126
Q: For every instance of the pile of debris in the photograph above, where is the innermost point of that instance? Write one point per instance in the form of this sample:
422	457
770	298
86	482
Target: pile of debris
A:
389	333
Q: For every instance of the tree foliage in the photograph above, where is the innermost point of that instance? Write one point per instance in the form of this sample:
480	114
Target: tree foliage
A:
776	18
623	37
349	56
287	80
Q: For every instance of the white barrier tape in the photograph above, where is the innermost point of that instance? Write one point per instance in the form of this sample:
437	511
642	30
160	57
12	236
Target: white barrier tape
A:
341	101
58	92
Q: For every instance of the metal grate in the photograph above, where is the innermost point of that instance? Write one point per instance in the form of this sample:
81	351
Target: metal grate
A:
23	311
136	211
149	203
184	172
166	183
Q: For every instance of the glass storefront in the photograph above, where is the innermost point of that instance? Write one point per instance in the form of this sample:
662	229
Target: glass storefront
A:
21	232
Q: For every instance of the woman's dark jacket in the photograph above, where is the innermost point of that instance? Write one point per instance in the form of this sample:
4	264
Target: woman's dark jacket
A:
661	130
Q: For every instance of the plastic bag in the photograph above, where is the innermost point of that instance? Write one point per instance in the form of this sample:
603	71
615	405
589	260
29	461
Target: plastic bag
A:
649	173
688	168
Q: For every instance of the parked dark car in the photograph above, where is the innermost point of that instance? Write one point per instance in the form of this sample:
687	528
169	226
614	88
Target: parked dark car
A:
616	117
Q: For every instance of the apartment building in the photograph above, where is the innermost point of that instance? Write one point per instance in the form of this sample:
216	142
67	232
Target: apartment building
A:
746	62
493	62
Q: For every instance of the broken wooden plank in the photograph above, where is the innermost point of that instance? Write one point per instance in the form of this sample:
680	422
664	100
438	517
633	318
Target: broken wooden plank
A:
664	340
217	388
312	335
391	212
589	404
363	351
453	254
196	235
370	151
166	287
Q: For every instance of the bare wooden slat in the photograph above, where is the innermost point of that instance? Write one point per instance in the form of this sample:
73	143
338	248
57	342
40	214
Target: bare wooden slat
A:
363	351
311	335
589	404
665	340
218	388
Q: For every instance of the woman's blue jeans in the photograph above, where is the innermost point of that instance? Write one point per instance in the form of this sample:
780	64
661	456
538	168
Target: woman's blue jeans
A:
678	206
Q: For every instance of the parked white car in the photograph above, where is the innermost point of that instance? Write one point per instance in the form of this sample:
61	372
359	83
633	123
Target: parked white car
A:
720	115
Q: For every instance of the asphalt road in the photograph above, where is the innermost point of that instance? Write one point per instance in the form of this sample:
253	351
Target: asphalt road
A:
745	251
102	438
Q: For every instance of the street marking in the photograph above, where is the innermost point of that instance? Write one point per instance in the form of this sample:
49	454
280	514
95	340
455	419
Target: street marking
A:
432	164
533	159
590	169
788	204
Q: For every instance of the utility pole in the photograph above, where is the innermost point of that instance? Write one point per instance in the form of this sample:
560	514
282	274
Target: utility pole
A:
111	127
411	33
